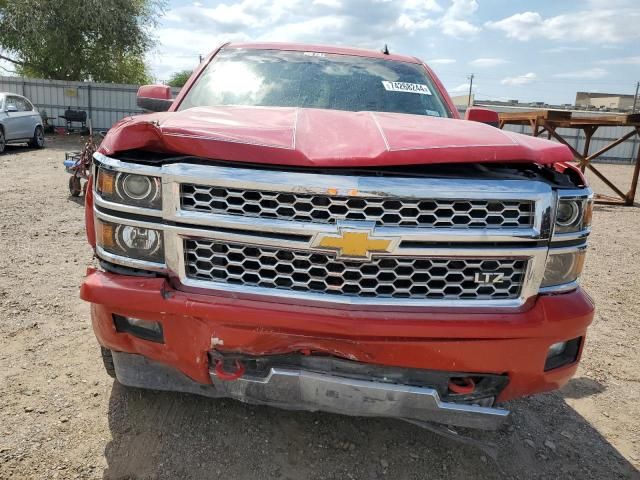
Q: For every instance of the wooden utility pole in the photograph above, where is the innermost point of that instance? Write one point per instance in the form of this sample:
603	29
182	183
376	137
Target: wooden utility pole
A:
635	98
470	77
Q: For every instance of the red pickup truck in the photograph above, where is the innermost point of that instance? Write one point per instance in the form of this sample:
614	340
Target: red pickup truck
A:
315	228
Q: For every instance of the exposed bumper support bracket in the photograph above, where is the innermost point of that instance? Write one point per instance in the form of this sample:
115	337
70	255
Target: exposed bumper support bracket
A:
310	391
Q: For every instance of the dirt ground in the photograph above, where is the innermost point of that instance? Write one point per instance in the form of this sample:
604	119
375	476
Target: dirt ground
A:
61	416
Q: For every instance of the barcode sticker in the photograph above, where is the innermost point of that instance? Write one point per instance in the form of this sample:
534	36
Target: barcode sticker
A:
406	87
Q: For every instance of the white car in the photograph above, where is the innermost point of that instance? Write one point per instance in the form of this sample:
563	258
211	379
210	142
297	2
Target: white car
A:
20	122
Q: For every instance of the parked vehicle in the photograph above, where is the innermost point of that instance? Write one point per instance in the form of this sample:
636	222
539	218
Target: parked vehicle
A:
20	122
316	228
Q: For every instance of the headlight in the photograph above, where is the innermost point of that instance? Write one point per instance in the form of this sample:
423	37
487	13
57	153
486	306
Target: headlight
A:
129	188
563	268
573	215
138	243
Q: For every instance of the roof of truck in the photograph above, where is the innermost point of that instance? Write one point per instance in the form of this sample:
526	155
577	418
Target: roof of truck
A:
305	47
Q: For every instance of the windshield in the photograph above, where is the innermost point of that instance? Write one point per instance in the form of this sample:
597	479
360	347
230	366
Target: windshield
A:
277	78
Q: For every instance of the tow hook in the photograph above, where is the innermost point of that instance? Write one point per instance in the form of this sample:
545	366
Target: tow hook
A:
222	374
462	385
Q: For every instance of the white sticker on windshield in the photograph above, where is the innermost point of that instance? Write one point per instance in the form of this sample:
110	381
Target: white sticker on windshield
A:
406	87
315	54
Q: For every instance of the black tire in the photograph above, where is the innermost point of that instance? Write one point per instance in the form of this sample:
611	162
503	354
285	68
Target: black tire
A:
38	138
3	142
107	359
75	186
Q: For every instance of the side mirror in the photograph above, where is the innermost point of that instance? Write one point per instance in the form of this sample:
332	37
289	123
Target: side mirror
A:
482	115
154	98
12	108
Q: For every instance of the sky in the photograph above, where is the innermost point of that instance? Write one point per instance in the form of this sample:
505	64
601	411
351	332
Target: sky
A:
542	50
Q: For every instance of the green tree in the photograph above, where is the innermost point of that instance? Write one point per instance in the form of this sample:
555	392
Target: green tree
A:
178	79
100	40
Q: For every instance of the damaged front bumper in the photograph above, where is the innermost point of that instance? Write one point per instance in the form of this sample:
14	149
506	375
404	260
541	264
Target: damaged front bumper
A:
400	363
297	389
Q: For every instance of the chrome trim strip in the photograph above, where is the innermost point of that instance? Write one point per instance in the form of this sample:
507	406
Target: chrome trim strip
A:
565	287
406	187
113	164
575	194
130	262
398	251
320	299
572	248
563	237
309	228
149	212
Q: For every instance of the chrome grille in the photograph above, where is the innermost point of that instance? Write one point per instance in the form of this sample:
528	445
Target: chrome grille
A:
382	277
385	211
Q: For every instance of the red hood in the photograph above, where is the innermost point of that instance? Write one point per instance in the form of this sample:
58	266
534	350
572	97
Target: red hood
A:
325	138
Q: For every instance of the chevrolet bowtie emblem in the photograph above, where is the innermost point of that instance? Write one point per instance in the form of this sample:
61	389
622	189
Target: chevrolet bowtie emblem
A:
355	243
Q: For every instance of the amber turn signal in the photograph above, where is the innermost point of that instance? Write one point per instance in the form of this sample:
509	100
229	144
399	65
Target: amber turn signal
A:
588	214
104	234
106	181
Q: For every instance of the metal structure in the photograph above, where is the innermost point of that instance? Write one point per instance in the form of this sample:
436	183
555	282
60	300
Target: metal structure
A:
549	121
104	103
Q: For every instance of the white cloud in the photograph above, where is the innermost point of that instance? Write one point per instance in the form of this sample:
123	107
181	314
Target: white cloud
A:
412	24
192	29
590	73
519	80
453	22
441	61
621	61
431	5
328	3
564	49
599	25
487	62
462	88
181	48
311	30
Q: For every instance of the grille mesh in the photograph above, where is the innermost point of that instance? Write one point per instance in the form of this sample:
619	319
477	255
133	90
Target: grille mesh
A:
396	212
381	277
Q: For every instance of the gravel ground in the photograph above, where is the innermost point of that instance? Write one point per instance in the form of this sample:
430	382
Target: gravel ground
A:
61	416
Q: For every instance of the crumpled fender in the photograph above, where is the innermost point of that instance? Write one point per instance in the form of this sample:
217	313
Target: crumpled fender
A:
132	133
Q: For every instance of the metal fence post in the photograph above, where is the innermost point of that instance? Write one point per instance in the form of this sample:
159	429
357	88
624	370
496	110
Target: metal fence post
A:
89	101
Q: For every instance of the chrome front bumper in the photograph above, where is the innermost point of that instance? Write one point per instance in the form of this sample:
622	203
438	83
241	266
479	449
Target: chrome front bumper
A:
310	391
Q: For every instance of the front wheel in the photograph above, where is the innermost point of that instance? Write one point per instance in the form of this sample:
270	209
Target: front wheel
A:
107	360
38	138
3	142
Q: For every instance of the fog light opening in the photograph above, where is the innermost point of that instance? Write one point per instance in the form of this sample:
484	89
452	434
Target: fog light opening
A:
556	349
562	353
144	329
